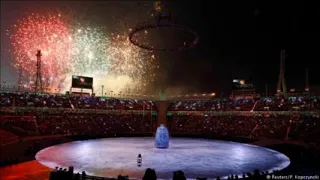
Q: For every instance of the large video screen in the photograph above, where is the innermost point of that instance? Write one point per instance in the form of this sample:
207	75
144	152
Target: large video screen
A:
82	82
239	84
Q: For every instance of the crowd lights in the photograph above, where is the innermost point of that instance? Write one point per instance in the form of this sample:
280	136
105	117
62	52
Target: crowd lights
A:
194	95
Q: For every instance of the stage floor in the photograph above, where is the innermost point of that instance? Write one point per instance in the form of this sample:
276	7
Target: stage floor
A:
195	157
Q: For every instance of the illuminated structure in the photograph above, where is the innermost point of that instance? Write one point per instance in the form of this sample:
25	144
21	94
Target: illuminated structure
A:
38	85
307	81
242	89
162	137
20	79
282	88
160	17
81	83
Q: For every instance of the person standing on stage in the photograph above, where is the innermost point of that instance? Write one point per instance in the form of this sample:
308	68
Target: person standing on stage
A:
139	160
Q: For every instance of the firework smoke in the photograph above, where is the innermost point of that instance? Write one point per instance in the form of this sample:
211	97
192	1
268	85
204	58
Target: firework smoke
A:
79	50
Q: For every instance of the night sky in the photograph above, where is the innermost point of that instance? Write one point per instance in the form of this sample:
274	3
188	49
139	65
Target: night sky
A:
237	40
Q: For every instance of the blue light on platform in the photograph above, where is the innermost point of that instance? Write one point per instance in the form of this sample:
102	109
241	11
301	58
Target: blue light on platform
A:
162	137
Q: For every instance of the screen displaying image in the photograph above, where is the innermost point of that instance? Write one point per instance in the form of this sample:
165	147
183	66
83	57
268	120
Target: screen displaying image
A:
82	82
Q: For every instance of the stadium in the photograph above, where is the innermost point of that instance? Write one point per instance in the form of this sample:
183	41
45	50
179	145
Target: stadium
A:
87	124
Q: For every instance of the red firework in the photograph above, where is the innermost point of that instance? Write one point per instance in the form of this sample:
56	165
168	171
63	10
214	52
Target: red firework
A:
51	35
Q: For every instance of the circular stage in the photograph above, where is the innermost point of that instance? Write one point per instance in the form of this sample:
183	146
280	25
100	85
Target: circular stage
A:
195	157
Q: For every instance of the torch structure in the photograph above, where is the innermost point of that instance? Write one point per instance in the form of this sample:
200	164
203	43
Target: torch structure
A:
162	137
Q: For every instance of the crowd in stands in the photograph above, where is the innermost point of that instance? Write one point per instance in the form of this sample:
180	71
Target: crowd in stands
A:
7	137
64	101
57	101
301	128
290	104
15	125
20	125
304	128
70	124
212	105
92	124
263	104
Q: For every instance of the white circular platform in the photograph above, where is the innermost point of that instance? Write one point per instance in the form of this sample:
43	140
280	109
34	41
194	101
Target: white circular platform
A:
195	157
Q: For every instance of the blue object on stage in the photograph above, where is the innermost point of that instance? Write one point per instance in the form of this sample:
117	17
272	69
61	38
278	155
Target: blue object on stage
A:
162	137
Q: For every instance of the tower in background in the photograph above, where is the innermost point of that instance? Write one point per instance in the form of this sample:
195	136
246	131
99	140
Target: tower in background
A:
38	85
282	88
20	79
307	81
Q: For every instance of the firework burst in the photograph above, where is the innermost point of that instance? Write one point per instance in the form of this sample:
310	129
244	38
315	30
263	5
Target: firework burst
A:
47	33
126	59
89	52
69	49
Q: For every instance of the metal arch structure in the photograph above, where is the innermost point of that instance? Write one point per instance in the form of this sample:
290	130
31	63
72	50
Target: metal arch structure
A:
160	17
183	46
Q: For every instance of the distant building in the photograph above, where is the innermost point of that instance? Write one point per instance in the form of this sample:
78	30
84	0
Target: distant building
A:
242	89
